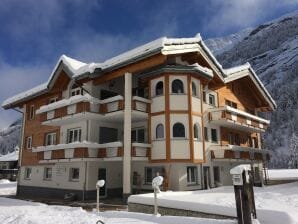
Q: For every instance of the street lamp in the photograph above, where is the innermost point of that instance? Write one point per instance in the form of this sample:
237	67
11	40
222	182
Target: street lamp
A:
99	184
156	183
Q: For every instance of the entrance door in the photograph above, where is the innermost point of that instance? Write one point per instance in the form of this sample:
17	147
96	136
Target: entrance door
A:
102	175
206	174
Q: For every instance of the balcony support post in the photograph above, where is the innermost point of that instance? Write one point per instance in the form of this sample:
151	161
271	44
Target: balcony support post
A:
127	136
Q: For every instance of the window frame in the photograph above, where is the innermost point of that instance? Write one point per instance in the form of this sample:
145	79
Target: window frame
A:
53	100
29	142
54	137
194	91
197	128
137	134
31	112
179	81
73	130
71	172
76	91
175	132
46	175
157	90
192	175
159	125
212	135
154	171
26	176
206	134
212	101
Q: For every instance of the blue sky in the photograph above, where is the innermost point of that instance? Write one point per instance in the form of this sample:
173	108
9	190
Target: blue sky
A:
33	34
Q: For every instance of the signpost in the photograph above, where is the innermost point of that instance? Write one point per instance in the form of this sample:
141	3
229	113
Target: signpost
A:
244	194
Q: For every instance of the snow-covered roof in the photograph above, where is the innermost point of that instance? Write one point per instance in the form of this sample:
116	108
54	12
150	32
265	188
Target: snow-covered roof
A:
162	45
10	157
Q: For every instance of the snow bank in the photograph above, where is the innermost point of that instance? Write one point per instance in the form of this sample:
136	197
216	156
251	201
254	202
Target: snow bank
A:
275	204
283	174
7	188
14	156
4	181
14	211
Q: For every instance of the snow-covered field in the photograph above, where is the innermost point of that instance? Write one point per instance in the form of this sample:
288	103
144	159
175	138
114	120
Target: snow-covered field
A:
275	204
7	187
13	211
283	174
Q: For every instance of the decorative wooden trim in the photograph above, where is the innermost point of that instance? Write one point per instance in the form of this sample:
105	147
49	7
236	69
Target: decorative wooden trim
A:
157	113
179	111
167	118
203	126
190	122
199	114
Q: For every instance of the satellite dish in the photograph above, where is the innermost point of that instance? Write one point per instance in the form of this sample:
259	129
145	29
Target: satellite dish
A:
157	181
100	183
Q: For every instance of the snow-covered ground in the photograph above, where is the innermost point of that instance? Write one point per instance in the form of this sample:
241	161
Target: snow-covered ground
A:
7	187
275	204
13	211
283	174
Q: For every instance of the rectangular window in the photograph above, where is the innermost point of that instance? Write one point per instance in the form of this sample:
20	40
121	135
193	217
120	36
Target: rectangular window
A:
51	139
138	135
28	172
204	96
47	173
216	174
74	135
206	136
213	135
211	99
151	172
31	112
29	142
76	91
107	134
231	104
74	174
192	175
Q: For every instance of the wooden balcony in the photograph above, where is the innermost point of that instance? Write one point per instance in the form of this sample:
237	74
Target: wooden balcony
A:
236	119
234	152
78	151
111	109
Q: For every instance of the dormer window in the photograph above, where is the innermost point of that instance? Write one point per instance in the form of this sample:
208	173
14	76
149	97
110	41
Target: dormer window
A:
76	90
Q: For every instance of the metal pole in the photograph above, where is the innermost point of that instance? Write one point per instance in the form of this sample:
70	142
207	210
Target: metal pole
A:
155	202
97	199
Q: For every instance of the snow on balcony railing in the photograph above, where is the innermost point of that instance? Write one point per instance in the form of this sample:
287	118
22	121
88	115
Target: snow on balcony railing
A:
67	102
140	149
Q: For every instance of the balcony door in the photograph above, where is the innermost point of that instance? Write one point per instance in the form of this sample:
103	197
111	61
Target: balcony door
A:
107	135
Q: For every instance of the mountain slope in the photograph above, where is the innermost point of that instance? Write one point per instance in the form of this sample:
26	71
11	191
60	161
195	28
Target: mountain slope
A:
9	137
272	50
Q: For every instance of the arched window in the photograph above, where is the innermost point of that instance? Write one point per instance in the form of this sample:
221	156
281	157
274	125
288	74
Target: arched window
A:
159	131
159	88
197	131
178	130
194	89
177	86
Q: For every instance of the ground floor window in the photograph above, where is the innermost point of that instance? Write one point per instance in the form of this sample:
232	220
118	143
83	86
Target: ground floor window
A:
151	172
28	172
74	174
216	174
47	173
192	175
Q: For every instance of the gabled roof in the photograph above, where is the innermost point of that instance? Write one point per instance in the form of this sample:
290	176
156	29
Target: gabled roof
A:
163	45
244	70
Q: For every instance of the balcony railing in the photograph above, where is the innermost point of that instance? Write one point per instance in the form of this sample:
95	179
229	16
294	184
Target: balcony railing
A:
90	106
230	117
235	152
86	149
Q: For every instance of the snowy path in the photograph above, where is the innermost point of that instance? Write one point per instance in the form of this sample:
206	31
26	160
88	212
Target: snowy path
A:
275	204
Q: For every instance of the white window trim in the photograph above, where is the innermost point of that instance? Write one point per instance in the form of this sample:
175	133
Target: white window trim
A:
26	172
29	146
53	137
71	173
76	91
195	170
44	173
73	130
31	112
137	129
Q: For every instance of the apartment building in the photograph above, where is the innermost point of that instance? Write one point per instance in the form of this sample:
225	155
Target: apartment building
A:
166	107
